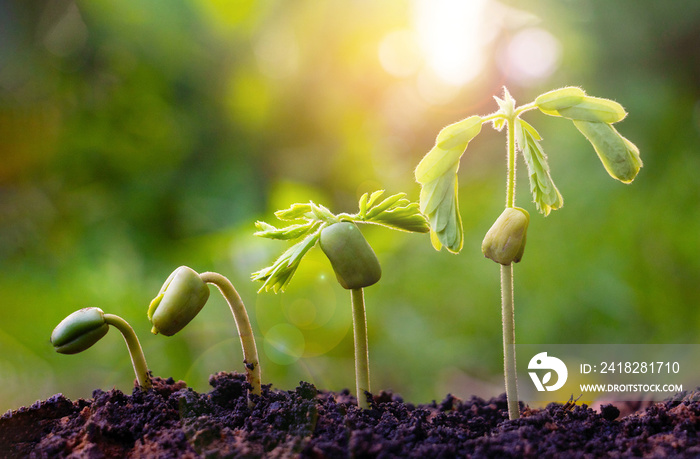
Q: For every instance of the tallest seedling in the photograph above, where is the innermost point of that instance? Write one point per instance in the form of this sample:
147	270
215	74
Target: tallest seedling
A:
505	241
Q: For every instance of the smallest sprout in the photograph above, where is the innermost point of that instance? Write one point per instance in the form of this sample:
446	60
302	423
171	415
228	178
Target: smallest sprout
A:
83	328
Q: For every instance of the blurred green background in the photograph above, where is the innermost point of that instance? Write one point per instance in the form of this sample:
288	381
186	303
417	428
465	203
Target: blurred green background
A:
140	135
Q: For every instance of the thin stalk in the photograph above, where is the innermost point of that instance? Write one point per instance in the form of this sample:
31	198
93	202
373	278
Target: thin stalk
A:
138	361
507	304
510	192
359	325
245	331
508	318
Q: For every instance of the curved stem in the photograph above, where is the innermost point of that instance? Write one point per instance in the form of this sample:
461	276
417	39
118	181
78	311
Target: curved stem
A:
138	361
509	368
359	325
492	117
245	331
525	108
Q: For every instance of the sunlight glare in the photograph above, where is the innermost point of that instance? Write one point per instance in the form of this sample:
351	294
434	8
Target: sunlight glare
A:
449	34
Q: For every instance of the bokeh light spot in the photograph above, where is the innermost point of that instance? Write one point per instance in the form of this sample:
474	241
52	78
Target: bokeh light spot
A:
530	56
301	312
399	53
284	344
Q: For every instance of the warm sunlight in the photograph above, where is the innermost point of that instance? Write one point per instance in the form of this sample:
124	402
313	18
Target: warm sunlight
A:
451	35
449	43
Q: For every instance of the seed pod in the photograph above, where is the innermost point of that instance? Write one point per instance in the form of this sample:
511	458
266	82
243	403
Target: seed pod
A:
79	331
353	260
180	299
504	242
559	98
596	110
619	156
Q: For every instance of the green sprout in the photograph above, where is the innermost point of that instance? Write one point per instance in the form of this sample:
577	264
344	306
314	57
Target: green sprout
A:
505	241
353	260
184	294
83	328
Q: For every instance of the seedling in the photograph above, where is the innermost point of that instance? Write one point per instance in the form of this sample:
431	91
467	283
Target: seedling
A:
353	260
505	241
184	294
85	327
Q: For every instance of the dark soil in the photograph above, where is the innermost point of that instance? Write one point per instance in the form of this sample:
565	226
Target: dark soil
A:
173	421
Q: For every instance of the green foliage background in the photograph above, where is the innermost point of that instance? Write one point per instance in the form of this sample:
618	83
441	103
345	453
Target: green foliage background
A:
137	136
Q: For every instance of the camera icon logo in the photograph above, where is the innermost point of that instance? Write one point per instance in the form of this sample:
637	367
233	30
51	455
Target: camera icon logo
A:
542	361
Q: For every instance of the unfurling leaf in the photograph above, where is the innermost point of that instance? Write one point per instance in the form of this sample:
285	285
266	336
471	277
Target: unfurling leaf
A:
295	212
395	212
619	156
385	204
278	275
544	193
288	232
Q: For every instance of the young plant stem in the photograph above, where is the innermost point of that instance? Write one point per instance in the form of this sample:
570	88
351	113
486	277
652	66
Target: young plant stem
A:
138	361
507	304
359	325
510	192
245	331
507	313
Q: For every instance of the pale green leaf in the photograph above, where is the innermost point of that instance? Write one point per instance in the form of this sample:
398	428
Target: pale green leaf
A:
287	233
459	133
451	235
619	156
397	212
374	197
592	109
450	145
405	218
278	275
439	201
385	204
321	213
544	193
363	204
295	212
434	192
559	98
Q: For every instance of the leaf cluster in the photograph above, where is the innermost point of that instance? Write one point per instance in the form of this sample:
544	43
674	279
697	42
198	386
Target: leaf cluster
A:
307	220
592	116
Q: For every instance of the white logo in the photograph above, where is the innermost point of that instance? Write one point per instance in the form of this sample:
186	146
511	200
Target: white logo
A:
542	362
